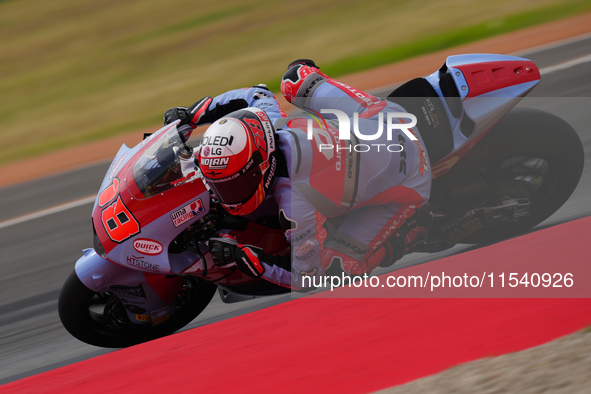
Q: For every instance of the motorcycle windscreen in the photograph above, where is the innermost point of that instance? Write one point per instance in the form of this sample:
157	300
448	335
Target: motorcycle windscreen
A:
160	168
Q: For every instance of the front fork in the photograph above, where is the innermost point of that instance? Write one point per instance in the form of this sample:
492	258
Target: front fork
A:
148	298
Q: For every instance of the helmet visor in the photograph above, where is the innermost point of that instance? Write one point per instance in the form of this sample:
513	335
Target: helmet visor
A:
240	187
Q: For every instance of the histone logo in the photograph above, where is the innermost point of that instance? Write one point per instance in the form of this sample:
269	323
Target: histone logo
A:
322	138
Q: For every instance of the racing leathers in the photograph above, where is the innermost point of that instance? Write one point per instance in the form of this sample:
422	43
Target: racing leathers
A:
344	204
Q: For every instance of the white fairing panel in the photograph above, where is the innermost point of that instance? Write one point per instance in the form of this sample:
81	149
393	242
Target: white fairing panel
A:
485	108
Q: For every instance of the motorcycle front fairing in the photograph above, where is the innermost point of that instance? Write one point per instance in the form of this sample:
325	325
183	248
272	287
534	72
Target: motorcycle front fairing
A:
149	195
153	197
147	298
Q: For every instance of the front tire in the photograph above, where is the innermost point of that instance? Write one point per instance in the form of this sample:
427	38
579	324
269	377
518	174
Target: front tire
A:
99	319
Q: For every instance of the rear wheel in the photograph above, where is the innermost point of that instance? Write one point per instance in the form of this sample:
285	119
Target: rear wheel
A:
100	319
533	157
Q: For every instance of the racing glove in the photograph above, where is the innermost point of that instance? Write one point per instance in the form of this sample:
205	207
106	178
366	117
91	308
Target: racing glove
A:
200	114
299	73
247	261
225	250
305	62
193	116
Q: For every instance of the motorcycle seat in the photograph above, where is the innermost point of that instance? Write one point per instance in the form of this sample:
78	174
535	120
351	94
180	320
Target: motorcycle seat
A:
420	99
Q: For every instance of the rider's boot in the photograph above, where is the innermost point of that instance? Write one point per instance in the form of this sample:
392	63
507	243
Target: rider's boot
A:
409	235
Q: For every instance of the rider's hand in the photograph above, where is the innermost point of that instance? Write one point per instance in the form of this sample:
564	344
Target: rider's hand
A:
223	249
306	62
194	116
226	250
178	113
294	78
247	261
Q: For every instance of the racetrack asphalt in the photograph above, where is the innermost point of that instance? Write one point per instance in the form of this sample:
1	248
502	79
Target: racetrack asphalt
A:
38	254
340	342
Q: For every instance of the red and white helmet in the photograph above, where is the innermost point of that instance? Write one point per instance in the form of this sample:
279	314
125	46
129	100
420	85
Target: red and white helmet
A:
238	160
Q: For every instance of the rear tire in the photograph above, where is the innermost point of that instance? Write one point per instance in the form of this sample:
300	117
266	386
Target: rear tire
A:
101	329
532	133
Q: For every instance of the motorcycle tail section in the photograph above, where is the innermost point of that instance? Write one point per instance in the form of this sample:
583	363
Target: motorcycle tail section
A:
476	91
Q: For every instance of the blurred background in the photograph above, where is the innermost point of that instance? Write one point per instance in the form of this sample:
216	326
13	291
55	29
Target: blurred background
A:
77	71
73	72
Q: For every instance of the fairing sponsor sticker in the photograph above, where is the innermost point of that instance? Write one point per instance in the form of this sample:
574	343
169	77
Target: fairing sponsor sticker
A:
148	246
187	212
139	262
131	292
116	167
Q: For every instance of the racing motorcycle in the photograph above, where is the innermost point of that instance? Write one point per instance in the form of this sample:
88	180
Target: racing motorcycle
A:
497	171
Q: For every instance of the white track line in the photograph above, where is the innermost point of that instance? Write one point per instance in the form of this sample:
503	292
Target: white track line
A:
47	211
565	65
551	45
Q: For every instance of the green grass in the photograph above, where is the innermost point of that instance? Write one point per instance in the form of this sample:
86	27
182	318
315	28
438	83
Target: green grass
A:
77	71
446	40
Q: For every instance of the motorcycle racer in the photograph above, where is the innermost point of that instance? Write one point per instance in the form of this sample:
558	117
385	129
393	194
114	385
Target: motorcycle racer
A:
341	206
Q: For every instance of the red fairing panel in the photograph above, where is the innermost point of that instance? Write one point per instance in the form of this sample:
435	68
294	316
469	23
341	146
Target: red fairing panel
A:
134	212
490	76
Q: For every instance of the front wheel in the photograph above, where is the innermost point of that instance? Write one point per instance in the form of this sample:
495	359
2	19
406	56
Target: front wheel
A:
533	156
100	319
